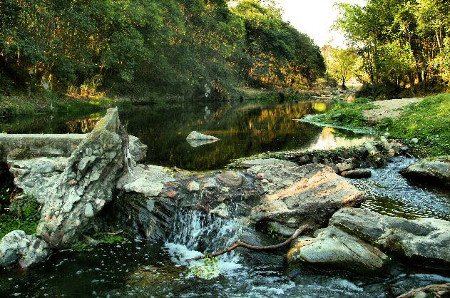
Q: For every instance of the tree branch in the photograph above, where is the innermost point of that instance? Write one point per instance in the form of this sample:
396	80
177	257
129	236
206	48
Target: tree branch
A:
239	243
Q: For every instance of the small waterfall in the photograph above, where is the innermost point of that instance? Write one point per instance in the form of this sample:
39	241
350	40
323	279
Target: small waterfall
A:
195	233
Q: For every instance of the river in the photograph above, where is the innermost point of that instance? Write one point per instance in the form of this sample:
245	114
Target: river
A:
140	269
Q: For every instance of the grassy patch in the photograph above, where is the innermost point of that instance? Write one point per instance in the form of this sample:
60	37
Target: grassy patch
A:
346	114
22	214
428	121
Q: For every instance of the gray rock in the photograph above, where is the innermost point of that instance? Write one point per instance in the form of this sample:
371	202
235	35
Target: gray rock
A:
37	176
344	166
138	150
336	249
357	174
26	250
198	143
230	178
424	241
193	186
435	170
297	195
145	179
90	178
199	136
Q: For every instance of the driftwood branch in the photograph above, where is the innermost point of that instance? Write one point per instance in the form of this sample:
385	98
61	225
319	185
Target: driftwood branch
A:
297	233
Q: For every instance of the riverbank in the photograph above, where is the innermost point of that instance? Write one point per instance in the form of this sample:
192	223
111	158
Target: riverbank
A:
421	123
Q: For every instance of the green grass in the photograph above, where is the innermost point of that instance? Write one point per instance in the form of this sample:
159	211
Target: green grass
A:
22	214
428	121
346	114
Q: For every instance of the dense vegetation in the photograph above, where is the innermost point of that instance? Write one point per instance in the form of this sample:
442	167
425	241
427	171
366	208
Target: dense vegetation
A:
183	47
402	43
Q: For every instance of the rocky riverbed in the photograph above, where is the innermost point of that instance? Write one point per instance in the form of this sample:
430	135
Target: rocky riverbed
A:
99	186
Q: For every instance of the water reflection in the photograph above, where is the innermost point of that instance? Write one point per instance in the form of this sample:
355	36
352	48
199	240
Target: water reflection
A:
330	139
244	129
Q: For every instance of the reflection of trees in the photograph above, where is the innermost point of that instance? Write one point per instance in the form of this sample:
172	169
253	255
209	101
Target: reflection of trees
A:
82	125
243	129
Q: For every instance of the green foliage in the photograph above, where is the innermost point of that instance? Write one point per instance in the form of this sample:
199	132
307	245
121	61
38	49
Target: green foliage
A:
23	215
346	114
182	47
401	42
428	121
208	269
341	63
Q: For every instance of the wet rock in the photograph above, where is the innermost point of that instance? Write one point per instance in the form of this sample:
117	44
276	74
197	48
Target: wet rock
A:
26	250
230	178
434	170
221	210
357	174
297	195
442	290
199	136
424	241
145	179
335	249
87	182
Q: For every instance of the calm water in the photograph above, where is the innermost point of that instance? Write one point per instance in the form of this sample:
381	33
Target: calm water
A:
243	129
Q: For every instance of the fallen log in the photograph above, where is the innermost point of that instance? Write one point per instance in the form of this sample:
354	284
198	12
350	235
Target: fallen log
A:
434	290
239	243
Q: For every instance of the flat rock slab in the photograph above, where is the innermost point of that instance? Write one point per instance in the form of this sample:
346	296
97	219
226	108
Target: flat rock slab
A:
145	179
423	241
297	195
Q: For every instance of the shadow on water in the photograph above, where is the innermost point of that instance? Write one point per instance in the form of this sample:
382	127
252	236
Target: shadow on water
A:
244	130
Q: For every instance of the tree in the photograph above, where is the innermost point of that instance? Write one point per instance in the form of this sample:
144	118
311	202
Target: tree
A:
341	63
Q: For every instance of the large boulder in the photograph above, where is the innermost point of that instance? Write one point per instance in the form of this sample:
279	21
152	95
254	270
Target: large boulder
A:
336	249
86	184
295	195
434	170
195	135
18	247
423	241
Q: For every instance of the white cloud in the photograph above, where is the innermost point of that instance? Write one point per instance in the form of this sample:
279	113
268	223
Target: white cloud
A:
315	18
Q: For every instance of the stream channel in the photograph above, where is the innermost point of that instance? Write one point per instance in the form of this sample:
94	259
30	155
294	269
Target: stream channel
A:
141	269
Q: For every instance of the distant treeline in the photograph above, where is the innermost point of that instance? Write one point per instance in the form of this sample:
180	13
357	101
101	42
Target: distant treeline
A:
182	47
402	43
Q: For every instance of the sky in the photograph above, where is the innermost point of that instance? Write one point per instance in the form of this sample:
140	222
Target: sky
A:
315	18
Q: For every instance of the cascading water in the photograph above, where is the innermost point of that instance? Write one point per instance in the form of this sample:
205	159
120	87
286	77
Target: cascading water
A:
195	233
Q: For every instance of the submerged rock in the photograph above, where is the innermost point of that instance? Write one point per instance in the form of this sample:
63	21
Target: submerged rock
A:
26	250
333	248
434	170
86	184
423	241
